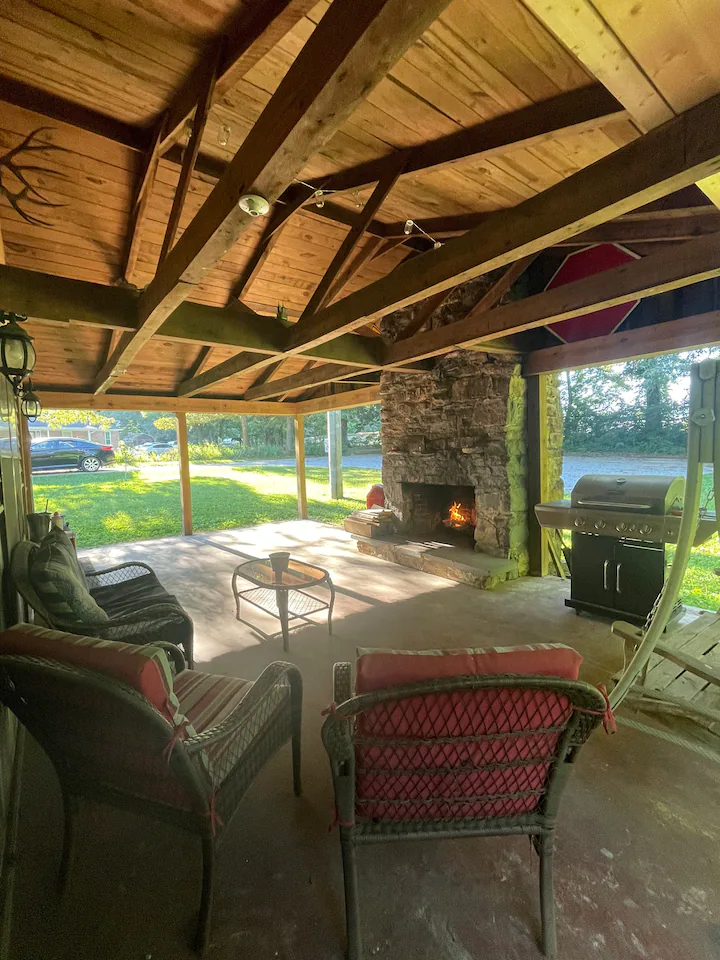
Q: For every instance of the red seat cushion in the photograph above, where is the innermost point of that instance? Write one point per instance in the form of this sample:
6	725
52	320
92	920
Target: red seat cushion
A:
144	668
206	700
453	755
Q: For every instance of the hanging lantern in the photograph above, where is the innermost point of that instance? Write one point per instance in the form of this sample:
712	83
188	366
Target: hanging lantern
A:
17	354
30	406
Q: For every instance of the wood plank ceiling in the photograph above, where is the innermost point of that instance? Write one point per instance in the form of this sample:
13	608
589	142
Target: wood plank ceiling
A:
90	84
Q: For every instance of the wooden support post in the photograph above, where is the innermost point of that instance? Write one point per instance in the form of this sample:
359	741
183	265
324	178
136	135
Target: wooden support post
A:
184	458
334	429
537	445
300	467
24	444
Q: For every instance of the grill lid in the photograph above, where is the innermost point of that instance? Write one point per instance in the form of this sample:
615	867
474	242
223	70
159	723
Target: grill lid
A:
651	495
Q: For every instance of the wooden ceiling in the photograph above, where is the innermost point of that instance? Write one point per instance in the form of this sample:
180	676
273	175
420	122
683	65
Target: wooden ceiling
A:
488	106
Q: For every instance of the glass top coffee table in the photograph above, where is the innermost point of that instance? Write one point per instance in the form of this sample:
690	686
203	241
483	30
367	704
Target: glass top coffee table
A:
282	593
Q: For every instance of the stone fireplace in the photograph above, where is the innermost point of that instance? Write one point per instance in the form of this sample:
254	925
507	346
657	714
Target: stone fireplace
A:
455	437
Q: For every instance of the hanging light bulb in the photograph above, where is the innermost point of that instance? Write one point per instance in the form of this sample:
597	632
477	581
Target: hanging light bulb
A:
17	354
319	199
30	405
224	135
408	228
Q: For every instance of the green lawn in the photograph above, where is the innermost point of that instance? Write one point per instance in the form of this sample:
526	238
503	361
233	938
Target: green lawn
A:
116	507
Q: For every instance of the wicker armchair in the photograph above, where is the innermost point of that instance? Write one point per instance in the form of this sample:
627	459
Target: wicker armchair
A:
149	622
109	743
462	756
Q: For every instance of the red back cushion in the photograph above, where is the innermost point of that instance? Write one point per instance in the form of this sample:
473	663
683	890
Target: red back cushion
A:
145	668
432	778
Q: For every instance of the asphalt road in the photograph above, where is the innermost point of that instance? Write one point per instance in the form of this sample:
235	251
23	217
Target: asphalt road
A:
574	466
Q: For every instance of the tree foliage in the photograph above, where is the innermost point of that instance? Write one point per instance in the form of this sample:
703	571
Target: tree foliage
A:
634	407
57	419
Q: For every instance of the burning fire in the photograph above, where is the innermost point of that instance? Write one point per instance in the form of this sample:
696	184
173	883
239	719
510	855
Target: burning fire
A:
459	516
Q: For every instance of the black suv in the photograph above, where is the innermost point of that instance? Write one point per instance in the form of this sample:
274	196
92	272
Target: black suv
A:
69	453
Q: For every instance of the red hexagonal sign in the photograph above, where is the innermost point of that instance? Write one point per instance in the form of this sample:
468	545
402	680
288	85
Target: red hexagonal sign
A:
577	266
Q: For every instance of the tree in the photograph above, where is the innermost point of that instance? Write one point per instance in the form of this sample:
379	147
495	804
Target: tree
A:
57	419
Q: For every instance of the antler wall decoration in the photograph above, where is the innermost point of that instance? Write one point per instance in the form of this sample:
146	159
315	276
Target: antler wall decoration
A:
12	168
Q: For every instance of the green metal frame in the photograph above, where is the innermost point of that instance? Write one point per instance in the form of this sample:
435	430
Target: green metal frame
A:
339	738
703	447
50	699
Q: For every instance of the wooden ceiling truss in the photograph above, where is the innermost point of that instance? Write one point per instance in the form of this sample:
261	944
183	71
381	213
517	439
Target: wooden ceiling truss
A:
589	158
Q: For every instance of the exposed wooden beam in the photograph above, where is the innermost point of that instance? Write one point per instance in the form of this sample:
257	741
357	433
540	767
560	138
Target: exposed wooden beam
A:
44	297
249	34
650	230
587	34
340	401
571	112
353	266
665	270
348	53
682	151
423	314
323	290
63	400
200	362
687	333
325	373
242	362
140	205
190	154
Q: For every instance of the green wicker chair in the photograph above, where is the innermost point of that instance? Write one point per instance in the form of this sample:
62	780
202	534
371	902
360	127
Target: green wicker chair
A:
109	743
465	756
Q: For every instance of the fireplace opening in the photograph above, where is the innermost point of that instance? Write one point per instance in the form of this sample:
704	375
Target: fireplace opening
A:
441	511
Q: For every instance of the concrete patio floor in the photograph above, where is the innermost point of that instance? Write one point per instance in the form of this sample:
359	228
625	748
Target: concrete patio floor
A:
637	872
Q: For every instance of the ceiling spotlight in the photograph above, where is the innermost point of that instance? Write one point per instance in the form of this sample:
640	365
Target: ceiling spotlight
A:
408	228
254	205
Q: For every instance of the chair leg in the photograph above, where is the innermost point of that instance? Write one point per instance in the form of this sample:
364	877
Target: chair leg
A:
296	722
352	903
547	897
208	869
70	813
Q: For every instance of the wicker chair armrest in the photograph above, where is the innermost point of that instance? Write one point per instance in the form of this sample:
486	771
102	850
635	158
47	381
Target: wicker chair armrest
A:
174	655
255	709
140	626
342	682
120	573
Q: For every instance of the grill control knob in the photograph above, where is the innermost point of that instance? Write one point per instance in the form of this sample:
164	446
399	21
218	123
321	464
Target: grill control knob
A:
600	524
645	528
632	528
620	527
579	521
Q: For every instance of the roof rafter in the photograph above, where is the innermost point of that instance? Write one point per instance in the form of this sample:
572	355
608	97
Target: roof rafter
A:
668	269
682	151
572	112
349	52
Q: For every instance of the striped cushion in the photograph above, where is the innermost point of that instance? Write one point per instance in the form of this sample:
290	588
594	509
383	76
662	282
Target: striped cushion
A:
57	580
145	668
206	700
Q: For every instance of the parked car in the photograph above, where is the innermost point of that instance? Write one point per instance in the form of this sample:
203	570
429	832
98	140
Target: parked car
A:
70	453
160	446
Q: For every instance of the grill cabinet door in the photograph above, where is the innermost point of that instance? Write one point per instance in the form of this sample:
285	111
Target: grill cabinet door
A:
593	569
638	577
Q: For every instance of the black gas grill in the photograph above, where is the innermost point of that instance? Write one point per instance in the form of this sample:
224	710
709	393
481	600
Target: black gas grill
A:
620	526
